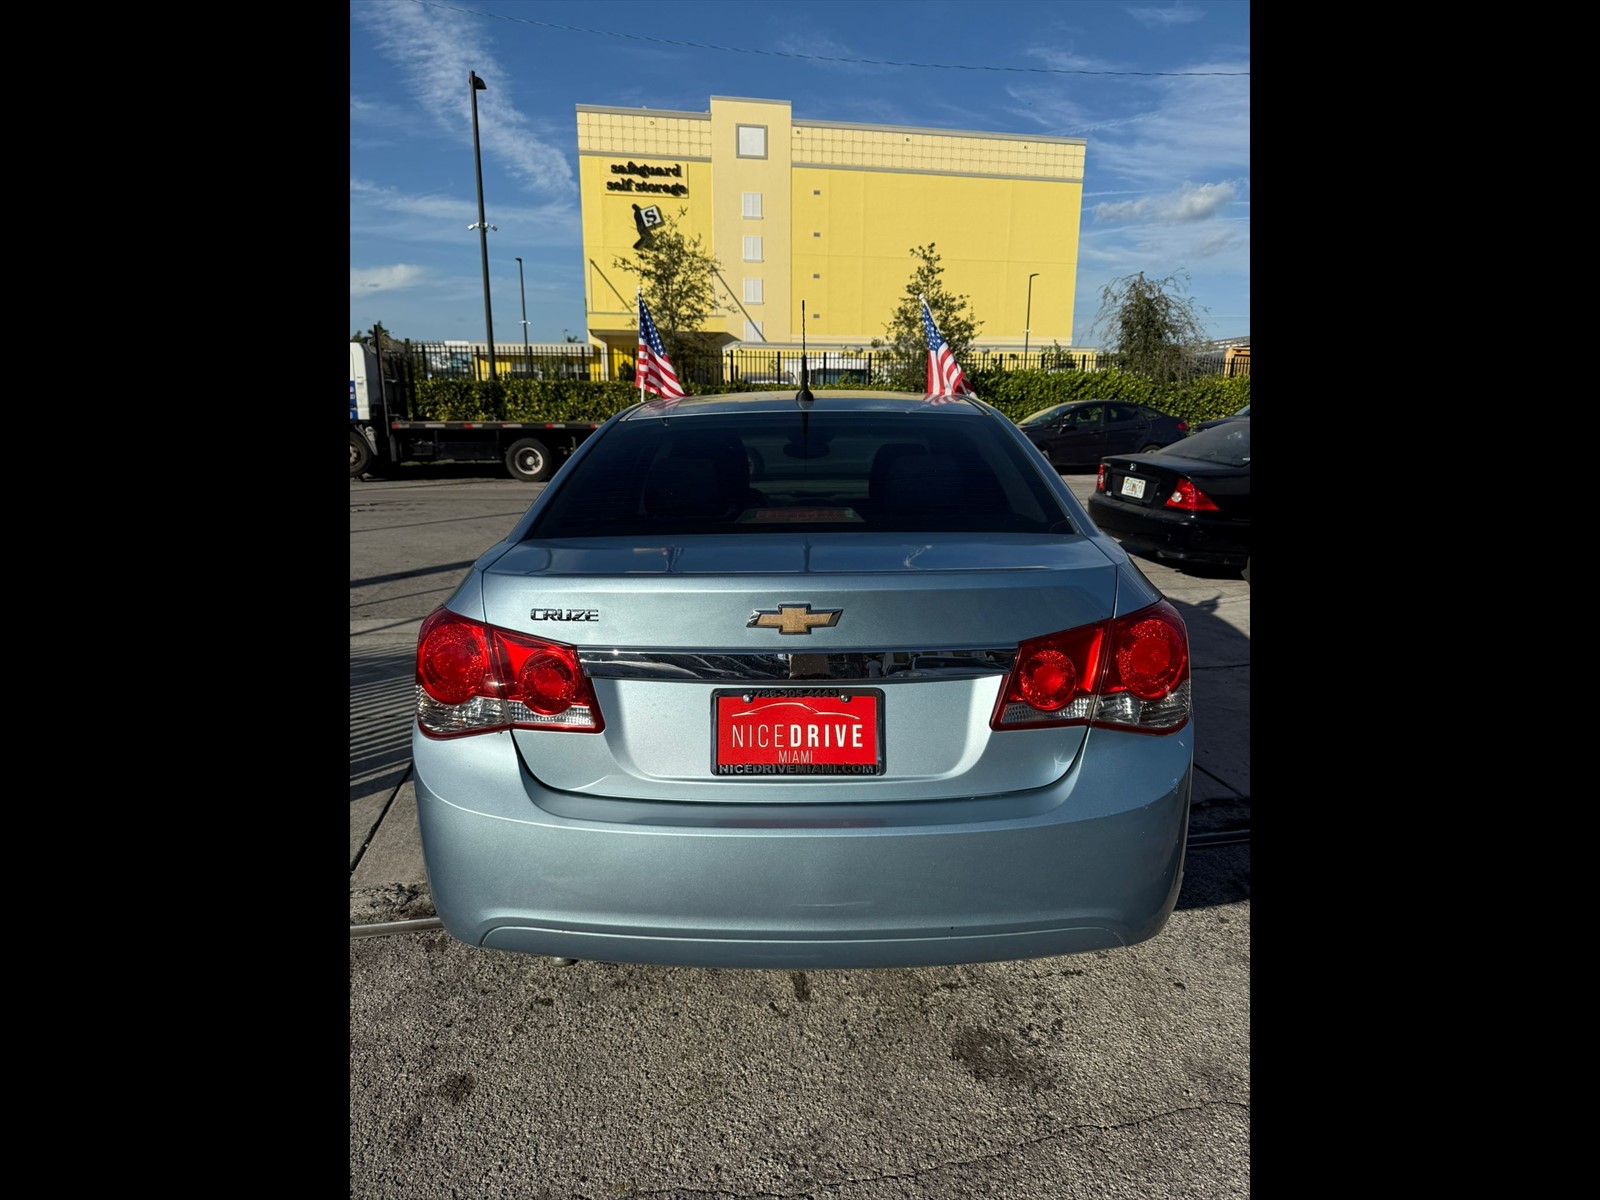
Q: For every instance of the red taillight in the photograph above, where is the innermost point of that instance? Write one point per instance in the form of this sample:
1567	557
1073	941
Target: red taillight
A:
1100	479
1052	680
548	683
1149	655
476	678
1047	679
1130	673
1190	498
1183	426
452	659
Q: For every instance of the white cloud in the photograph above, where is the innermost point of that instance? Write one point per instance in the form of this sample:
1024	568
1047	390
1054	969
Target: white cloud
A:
1154	130
385	211
386	279
1190	203
821	50
1177	14
437	52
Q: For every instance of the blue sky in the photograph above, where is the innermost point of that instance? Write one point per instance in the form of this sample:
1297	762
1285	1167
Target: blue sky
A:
1159	91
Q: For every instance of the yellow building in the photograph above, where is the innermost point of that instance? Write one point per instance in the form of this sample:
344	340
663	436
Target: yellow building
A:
827	212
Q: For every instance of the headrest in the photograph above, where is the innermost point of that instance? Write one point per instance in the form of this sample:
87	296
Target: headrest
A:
684	487
881	461
925	481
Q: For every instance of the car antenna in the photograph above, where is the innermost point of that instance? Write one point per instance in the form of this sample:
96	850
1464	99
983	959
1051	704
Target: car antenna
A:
803	396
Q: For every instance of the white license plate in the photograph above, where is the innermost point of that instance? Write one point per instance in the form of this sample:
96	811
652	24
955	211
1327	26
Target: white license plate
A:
1133	487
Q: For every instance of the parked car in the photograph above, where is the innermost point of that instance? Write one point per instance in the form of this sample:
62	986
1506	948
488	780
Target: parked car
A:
1189	502
1078	434
771	379
767	682
1242	415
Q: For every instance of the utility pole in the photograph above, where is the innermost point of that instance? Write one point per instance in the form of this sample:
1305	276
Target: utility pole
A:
1027	320
482	226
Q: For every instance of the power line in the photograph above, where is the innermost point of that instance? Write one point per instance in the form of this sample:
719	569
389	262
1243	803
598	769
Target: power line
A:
869	62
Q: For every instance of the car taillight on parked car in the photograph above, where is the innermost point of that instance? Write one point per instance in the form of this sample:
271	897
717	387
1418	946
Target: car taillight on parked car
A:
477	678
1190	498
1100	479
1129	673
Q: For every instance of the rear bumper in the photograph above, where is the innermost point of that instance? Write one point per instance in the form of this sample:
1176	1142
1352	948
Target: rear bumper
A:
1170	535
1092	862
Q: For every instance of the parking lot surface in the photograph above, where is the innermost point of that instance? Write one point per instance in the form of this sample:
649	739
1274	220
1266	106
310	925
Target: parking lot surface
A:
476	1072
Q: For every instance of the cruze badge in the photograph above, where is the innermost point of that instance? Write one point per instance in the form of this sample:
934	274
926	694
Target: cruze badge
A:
564	614
793	618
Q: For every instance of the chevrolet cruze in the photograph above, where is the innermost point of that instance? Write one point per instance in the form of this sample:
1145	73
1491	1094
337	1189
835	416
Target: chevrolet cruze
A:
767	680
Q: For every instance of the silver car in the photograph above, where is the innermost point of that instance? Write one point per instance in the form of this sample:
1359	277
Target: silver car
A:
762	680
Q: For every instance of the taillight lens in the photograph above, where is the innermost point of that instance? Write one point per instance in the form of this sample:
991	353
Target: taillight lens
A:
1129	673
1183	426
1100	479
1190	498
477	678
1146	684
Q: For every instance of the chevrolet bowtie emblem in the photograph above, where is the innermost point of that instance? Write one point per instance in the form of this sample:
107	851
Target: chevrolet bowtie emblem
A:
793	618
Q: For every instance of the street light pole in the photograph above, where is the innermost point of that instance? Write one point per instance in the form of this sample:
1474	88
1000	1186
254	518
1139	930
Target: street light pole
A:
1027	321
527	354
478	85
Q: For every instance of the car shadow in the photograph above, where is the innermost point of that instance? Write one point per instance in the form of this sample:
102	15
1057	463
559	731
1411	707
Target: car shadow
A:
382	700
1217	870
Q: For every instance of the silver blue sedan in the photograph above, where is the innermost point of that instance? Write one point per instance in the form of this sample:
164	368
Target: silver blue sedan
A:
767	681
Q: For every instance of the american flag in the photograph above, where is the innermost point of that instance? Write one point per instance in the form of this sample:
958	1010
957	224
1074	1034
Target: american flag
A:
654	368
945	377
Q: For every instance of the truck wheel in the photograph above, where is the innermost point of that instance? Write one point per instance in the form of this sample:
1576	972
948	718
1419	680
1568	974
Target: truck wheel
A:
529	461
360	455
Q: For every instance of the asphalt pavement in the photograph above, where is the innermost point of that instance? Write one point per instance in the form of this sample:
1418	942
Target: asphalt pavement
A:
1116	1075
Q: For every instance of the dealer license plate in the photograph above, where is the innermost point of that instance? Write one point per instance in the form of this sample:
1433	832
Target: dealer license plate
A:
797	731
1133	487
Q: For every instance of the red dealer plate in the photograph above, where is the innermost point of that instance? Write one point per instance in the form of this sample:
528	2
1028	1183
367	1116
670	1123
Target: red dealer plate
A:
797	731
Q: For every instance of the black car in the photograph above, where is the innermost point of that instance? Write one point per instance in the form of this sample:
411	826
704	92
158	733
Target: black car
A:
1189	502
1242	415
1078	434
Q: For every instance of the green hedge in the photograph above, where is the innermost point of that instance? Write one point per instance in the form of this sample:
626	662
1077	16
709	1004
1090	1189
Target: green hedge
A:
1019	393
1015	393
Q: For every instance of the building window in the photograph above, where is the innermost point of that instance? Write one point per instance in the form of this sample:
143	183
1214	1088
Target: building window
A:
752	141
752	332
753	291
752	205
752	249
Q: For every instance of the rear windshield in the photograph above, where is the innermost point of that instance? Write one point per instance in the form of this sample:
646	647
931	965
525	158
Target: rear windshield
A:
817	472
1227	444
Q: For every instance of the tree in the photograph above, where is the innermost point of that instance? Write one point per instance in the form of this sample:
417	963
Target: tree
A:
1149	327
379	338
907	341
675	271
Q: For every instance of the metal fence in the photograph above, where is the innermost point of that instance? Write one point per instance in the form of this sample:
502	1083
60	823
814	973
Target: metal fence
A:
435	360
759	368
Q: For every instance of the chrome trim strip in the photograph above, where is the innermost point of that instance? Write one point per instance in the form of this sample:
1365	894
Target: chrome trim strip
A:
861	666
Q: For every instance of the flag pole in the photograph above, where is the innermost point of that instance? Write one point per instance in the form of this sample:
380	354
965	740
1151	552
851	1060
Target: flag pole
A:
639	374
928	386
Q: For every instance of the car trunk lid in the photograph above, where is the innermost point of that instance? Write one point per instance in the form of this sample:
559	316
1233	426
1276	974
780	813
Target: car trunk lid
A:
918	629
